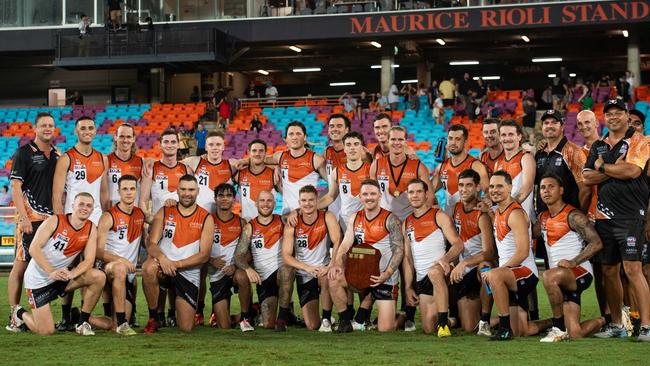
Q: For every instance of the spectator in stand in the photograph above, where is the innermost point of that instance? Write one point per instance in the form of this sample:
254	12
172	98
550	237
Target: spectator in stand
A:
381	103
529	118
76	99
224	112
84	33
604	81
447	90
560	91
438	110
433	92
410	97
251	92
218	96
465	88
5	196
256	124
195	97
271	92
547	97
200	136
183	142
481	91
393	97
623	88
578	91
629	77
363	105
348	102
115	11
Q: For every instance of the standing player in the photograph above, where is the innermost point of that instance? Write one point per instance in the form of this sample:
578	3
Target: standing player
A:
381	127
564	229
309	239
338	126
446	176
161	186
56	245
31	177
118	244
81	169
426	232
179	243
255	178
494	150
299	166
394	171
123	161
212	170
261	239
227	230
475	229
346	179
380	229
516	276
616	164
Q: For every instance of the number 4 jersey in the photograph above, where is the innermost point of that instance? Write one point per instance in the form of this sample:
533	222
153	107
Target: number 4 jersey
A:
61	249
84	175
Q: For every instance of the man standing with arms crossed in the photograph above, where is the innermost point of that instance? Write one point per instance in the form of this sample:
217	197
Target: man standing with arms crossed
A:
31	177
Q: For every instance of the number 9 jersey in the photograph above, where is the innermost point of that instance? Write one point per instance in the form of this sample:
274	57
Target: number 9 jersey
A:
61	249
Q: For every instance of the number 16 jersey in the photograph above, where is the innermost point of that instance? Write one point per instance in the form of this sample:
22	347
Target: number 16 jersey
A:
265	246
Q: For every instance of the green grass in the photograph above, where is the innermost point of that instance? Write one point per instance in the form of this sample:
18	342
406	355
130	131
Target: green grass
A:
301	347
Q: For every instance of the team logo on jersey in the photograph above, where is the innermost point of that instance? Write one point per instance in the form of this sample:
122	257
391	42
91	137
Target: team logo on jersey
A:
122	222
624	148
558	161
170	217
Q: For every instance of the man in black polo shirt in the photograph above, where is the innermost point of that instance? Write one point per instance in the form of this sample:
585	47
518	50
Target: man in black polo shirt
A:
563	158
616	164
31	177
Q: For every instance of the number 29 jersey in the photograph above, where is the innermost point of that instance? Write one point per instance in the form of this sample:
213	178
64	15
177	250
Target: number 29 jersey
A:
61	249
84	175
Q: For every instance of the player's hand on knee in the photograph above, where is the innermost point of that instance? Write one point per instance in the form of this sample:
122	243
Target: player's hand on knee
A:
229	270
218	262
253	276
58	275
411	297
334	272
568	264
26	226
457	273
130	267
167	266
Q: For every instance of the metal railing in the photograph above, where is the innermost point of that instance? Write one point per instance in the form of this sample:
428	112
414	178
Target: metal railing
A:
145	42
307	100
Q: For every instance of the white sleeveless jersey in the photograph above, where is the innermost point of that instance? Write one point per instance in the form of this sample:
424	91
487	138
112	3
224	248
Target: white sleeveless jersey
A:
226	237
311	244
426	240
514	167
84	175
118	168
250	185
296	173
165	183
561	241
467	226
61	249
266	243
349	182
208	177
505	239
124	236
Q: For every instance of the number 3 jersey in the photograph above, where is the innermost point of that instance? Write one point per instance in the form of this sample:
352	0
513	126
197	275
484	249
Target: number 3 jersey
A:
311	244
266	242
165	183
209	176
375	233
84	175
181	238
61	249
124	236
226	237
250	186
118	168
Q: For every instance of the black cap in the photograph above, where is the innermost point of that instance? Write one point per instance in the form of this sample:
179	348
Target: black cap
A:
639	114
552	113
615	103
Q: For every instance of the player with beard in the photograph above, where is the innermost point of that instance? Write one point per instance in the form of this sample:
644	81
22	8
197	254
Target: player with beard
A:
446	175
180	242
338	126
426	232
493	149
255	178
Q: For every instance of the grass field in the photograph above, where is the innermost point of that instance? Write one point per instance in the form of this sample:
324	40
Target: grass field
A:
301	347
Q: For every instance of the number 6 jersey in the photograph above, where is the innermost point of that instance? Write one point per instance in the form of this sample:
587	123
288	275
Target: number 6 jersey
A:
118	168
60	251
84	175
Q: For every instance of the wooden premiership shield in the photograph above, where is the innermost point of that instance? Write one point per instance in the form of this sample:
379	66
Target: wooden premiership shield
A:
361	263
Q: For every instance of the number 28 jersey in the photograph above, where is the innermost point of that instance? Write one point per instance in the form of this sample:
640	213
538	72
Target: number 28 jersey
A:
61	249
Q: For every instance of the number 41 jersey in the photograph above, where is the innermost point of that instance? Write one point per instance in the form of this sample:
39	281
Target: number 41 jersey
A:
61	249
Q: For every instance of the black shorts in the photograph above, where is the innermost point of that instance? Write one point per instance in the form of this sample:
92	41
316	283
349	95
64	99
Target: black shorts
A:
307	291
583	281
424	287
221	289
268	288
44	295
384	292
623	240
23	241
526	283
469	286
184	289
129	285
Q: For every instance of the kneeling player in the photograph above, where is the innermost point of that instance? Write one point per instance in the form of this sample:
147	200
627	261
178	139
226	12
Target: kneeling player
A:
56	245
227	230
180	242
309	238
475	229
380	229
516	276
564	229
119	235
261	239
426	231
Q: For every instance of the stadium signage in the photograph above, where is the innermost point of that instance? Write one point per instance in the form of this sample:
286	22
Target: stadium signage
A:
558	14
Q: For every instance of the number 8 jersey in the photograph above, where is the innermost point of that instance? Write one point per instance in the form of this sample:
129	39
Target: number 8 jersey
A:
61	249
84	175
